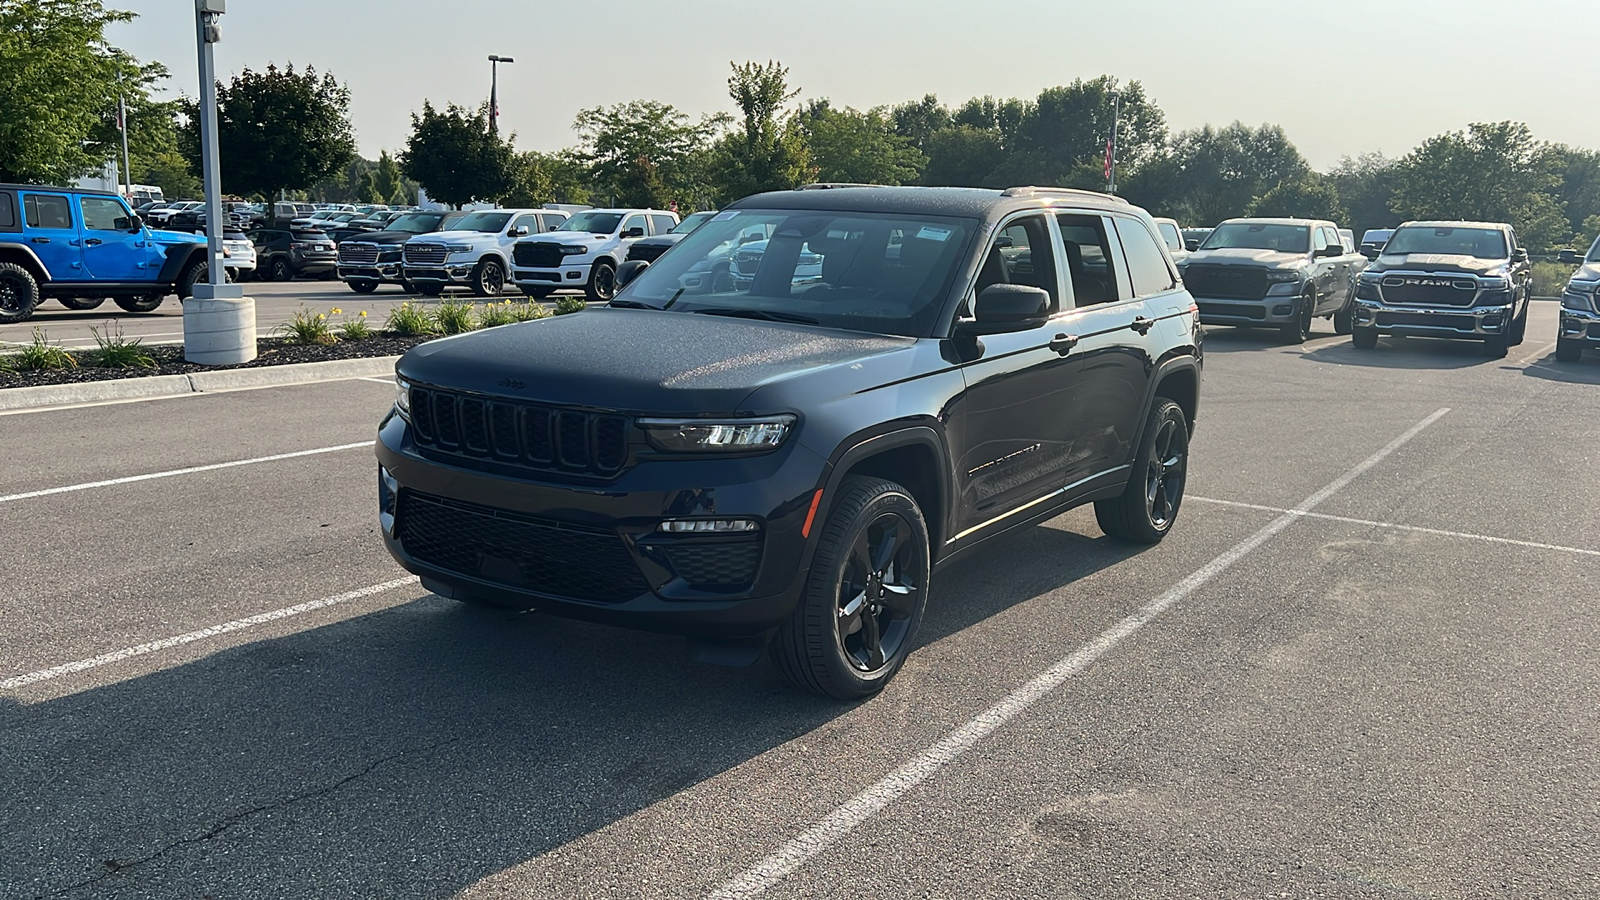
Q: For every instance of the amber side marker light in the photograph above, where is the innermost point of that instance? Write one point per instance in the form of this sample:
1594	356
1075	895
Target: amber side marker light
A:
816	500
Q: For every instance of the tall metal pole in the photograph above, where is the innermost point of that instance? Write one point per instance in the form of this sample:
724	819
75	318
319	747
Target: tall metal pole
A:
208	32
494	90
127	169
1111	145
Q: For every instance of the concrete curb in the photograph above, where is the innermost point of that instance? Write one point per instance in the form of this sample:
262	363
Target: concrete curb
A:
196	383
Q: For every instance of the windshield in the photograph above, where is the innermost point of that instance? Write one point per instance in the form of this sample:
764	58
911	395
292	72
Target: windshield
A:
694	221
592	222
1483	243
1259	236
881	273
415	223
486	222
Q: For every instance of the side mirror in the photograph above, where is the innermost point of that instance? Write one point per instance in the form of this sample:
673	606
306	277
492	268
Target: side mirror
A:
1191	245
1327	252
1372	252
520	231
1519	255
630	270
1004	308
1569	256
633	232
133	224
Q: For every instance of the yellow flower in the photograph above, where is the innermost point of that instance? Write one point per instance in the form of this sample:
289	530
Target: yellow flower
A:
363	314
335	311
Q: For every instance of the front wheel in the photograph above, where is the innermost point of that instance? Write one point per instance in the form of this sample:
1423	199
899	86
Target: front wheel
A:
363	287
602	284
81	302
429	289
1299	330
1519	326
1568	350
1364	338
1497	347
864	597
1344	320
538	293
1145	510
489	278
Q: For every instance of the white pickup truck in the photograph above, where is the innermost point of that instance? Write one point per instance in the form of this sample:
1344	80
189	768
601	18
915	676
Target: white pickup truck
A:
475	253
585	251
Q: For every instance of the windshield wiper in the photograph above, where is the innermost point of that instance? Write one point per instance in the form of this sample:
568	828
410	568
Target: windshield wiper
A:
762	314
630	304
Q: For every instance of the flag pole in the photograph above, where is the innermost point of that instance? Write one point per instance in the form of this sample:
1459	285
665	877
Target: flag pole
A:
1111	146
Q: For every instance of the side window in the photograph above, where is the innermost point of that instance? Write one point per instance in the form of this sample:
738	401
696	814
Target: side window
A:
1169	233
1021	254
529	221
1332	237
8	212
1147	268
551	221
47	211
661	224
103	214
1088	252
1319	239
632	223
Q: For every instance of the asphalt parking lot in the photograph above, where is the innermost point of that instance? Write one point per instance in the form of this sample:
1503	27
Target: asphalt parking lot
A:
1362	665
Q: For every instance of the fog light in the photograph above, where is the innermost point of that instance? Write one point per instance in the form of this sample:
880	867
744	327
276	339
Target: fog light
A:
1282	310
388	489
1491	321
708	526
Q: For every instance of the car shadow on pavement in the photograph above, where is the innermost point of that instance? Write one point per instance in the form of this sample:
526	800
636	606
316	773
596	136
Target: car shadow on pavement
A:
1584	371
1405	353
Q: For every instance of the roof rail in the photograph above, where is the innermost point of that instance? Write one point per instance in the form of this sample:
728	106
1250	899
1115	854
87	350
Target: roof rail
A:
1029	190
831	185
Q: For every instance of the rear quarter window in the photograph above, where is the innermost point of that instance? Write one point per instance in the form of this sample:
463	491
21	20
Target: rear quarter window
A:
8	212
1147	268
662	224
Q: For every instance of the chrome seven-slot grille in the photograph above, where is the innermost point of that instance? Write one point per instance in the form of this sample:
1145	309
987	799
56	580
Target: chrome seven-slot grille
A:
1429	290
425	254
537	254
1226	282
358	254
518	434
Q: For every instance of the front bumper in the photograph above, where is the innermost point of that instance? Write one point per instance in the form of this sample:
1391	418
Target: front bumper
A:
383	273
1476	322
449	273
610	529
1580	325
1278	307
314	263
569	275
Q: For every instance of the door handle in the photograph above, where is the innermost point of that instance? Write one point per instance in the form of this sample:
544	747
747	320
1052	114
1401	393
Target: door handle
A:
1142	324
1064	343
41	240
92	242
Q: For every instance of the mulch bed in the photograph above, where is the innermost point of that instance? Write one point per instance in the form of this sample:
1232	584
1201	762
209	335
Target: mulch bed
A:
275	351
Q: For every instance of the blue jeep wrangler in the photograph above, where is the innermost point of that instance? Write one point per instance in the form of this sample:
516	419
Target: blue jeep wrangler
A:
81	246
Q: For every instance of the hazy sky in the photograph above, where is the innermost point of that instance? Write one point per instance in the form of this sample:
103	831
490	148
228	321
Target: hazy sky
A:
1343	77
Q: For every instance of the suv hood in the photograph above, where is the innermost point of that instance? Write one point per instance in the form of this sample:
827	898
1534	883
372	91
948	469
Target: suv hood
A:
1439	262
1239	256
660	363
1589	272
176	237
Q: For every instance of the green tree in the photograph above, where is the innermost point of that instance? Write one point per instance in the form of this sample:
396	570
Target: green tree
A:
387	182
918	120
763	153
59	82
1365	185
455	158
1311	196
1494	172
1216	173
277	130
1578	194
963	156
859	147
646	153
1061	138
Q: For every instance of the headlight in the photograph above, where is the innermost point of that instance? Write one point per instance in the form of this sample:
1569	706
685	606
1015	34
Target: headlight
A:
1370	277
458	248
573	250
1282	276
708	435
402	397
1580	295
1494	283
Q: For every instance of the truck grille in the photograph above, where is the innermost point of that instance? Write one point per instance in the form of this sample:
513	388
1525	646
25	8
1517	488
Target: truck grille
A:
358	254
745	262
537	254
425	254
517	550
1429	290
1226	282
519	435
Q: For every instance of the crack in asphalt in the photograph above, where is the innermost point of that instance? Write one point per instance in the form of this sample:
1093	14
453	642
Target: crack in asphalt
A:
115	867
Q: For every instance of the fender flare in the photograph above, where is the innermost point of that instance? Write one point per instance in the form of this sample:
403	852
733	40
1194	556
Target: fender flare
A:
872	441
31	260
1165	369
178	258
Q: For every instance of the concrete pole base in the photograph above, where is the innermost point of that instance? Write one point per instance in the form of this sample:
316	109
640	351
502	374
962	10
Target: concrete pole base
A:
219	331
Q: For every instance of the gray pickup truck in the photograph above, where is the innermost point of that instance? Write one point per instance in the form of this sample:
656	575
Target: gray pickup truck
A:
1274	273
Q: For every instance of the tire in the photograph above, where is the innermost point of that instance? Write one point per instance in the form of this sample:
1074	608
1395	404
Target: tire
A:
19	293
408	287
280	270
141	303
1497	347
489	278
602	284
429	290
538	293
722	279
1519	326
81	302
1364	338
1568	350
363	287
1344	319
1145	510
1297	331
191	276
864	596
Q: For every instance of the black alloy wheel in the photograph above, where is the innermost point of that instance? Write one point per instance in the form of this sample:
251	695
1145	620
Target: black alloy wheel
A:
602	282
281	270
1148	505
19	293
1299	330
864	597
1519	325
489	279
81	302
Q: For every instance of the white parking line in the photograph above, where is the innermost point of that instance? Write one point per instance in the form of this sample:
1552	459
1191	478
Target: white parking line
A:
1536	545
173	473
388	381
777	866
1530	357
105	659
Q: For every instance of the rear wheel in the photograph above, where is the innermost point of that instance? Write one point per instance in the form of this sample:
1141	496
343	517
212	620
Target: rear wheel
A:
280	270
19	293
1568	350
81	302
1364	338
193	275
141	303
864	596
363	286
1147	507
1344	319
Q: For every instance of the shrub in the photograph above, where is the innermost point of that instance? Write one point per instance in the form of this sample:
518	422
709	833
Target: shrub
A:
570	305
528	310
41	354
1550	278
453	316
116	352
496	314
307	327
355	329
408	320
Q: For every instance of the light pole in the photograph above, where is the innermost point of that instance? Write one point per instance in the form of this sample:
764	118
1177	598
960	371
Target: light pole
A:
219	321
494	89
